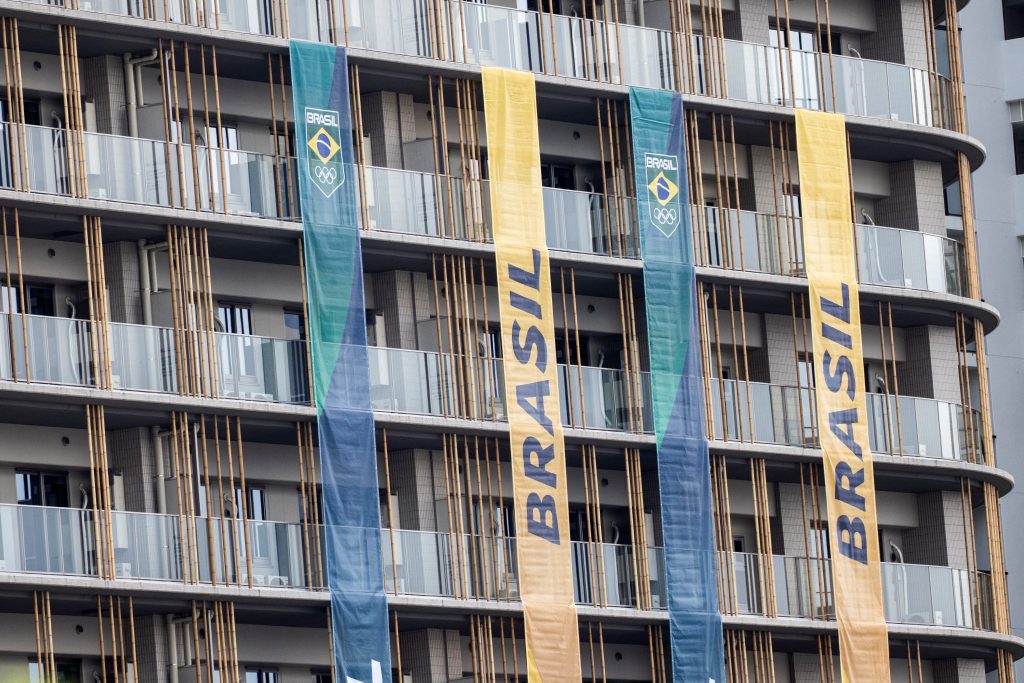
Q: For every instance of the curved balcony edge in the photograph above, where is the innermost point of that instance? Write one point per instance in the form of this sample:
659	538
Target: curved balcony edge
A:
899	131
975	308
1000	478
938	634
382	239
43	393
143	589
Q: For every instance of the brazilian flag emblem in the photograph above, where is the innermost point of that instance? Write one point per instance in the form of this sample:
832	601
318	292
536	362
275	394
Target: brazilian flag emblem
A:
324	163
663	186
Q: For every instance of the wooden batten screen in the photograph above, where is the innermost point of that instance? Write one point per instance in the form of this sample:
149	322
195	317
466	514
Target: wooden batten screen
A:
10	40
481	548
193	312
468	374
100	494
99	322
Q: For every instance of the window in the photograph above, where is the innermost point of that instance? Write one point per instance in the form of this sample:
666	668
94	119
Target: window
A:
43	488
1013	19
235	318
39	300
558	176
67	672
321	677
1018	150
237	353
952	199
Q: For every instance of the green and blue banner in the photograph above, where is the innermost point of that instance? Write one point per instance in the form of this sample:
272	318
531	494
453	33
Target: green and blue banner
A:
666	238
341	379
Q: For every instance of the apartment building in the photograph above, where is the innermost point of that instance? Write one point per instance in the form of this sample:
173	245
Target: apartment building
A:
162	490
995	97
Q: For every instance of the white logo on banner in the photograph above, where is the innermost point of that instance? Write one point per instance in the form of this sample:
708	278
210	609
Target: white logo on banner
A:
378	677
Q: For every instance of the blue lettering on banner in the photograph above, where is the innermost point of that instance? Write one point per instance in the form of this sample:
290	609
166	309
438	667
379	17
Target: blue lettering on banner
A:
531	350
849	531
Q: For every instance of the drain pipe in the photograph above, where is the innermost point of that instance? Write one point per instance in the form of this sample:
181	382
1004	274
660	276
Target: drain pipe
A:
132	87
172	649
158	455
147	277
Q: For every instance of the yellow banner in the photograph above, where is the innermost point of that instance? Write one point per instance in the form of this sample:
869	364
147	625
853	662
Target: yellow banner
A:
839	388
531	377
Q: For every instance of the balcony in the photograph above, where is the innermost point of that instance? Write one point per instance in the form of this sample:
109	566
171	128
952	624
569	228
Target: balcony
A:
442	564
590	223
45	349
444	385
49	540
149	546
784	415
154	173
52	350
490	35
913	594
891	257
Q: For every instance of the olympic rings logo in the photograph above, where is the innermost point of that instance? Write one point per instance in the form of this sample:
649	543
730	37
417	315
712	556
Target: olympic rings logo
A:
665	216
325	174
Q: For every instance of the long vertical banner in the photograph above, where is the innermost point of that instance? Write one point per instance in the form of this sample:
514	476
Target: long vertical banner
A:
839	390
531	379
337	324
663	217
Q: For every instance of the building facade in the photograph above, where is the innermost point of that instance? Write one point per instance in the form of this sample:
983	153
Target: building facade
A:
994	32
161	483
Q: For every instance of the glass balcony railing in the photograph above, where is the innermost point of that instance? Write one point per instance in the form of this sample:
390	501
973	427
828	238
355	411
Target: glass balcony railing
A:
45	349
442	564
584	48
143	358
430	383
249	184
783	415
149	546
427	204
262	369
910	259
605	574
59	351
589	222
45	539
746	240
156	173
913	594
603	398
923	427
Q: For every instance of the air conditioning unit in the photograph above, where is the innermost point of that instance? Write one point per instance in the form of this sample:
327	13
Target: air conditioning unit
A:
255	396
278	581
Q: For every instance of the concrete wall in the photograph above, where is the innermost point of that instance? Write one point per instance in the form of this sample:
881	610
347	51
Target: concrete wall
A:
993	76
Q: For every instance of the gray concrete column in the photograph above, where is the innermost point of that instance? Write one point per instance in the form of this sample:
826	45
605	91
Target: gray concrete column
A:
748	22
959	671
102	81
432	655
931	368
121	269
151	639
412	480
130	454
939	538
899	36
916	199
399	297
388	120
